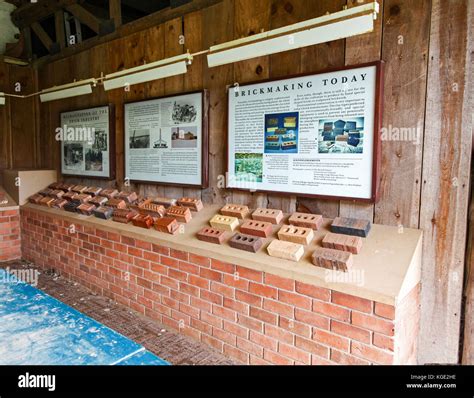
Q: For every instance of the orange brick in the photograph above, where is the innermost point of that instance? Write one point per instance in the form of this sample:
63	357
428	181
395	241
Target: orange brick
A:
372	323
294	353
332	311
222	289
213	342
312	318
371	353
212	297
295	327
225	313
354	302
280	282
188	267
331	339
250	323
350	331
249	298
236	306
312	291
385	310
238	330
201	326
222	266
210	274
295	299
224	336
211	319
236	281
237	354
199	260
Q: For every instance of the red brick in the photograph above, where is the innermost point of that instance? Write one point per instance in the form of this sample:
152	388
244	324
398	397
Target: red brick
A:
201	304
238	330
250	274
331	339
179	254
191	332
354	302
264	341
312	291
384	342
212	297
250	323
280	282
312	347
295	299
151	256
224	336
236	306
237	354
170	262
279	334
199	260
332	311
292	326
211	319
251	348
346	359
224	313
279	308
198	281
372	323
263	290
188	267
276	359
236	281
294	353
174	273
249	298
188	310
312	318
350	331
222	289
210	274
222	266
371	353
213	342
201	326
264	316
385	310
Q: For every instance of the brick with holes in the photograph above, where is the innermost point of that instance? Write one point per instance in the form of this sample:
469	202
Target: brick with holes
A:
182	214
239	211
128	197
83	197
294	234
104	212
72	206
225	223
193	203
248	243
257	228
116	203
166	202
98	200
59	203
332	259
69	195
85	209
273	216
79	188
212	235
47	201
123	216
143	221
347	243
93	191
285	250
313	221
168	225
351	226
152	209
109	193
56	194
35	199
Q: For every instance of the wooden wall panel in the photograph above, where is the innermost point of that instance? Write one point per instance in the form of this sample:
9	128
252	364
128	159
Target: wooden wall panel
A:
5	136
446	177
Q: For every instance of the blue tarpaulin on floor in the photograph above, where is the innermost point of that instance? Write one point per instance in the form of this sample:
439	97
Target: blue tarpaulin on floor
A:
37	329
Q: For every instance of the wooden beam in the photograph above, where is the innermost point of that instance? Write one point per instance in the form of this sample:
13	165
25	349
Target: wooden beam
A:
142	24
34	12
59	25
42	35
84	16
115	12
26	32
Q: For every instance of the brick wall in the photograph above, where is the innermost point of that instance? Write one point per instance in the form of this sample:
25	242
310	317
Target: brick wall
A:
251	316
10	245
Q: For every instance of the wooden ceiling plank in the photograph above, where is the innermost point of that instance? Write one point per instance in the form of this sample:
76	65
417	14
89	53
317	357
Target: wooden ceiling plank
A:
59	25
42	35
84	16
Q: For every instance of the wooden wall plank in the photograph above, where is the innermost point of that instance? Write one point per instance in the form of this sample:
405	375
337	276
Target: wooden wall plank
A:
404	49
216	81
446	178
315	59
5	131
362	49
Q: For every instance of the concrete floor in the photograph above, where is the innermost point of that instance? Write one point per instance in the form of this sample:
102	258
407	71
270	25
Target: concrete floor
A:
167	344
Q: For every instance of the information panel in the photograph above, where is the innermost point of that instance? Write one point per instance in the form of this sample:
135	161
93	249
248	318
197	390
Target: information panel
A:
315	135
87	145
166	140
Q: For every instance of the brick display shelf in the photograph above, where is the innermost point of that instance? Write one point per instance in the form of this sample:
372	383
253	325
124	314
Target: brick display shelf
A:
10	239
253	316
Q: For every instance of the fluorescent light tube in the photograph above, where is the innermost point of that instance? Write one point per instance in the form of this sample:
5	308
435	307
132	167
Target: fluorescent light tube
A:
68	90
2	98
346	23
145	73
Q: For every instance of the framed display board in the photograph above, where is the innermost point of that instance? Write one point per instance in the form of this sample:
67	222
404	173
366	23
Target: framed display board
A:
314	135
87	138
166	140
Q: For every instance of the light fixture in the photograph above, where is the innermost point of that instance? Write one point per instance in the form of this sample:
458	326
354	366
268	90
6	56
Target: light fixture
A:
346	23
68	90
2	98
145	73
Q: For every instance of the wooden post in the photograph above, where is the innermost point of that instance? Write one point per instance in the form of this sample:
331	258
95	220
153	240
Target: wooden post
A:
115	12
59	26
